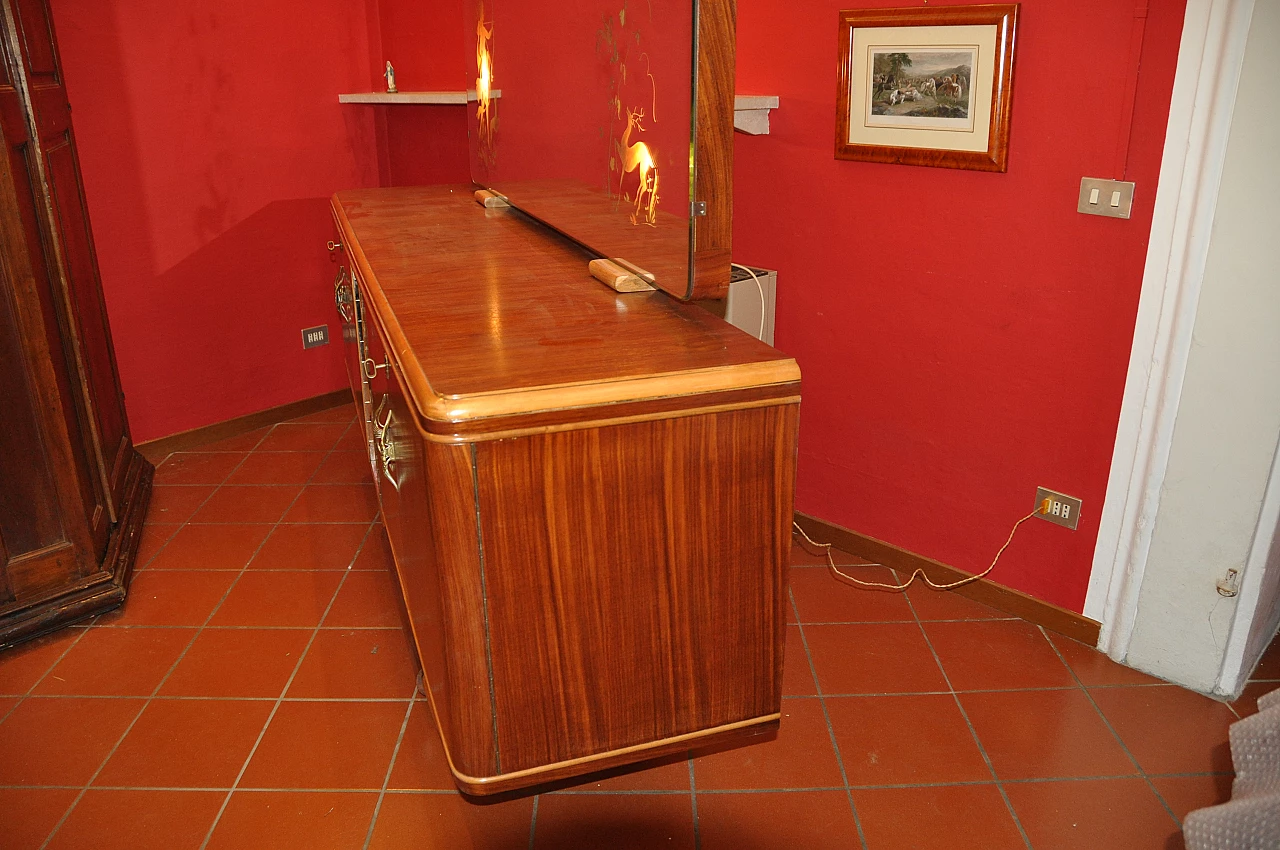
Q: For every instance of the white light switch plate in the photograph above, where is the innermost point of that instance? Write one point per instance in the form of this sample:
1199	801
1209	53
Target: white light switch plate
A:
1106	191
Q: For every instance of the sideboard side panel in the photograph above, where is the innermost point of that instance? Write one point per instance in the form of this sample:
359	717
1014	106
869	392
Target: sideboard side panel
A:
635	578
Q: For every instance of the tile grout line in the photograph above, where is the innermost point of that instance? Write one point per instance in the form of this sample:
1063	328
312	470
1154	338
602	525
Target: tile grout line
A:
146	700
302	656
826	715
948	693
972	731
1132	758
138	569
904	622
189	698
693	798
591	792
395	752
187	521
22	697
280	628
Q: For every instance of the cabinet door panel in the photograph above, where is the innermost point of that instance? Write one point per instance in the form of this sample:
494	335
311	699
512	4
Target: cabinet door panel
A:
25	179
85	294
36	29
29	514
6	589
46	497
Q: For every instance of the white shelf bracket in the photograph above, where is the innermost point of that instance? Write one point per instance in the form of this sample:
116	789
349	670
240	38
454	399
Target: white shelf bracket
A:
751	113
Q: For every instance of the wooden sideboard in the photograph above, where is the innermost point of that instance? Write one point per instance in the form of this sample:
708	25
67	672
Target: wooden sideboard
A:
588	494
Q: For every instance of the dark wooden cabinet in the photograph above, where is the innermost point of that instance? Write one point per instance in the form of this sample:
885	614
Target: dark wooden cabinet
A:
73	490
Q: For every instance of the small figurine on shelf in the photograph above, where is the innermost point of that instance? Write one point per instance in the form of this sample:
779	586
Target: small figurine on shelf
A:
390	74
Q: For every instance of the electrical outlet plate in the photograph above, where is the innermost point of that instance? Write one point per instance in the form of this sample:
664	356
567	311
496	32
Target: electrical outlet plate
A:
1063	510
315	337
1112	198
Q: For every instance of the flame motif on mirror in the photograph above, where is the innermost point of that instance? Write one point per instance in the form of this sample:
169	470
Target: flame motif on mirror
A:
485	107
638	157
628	154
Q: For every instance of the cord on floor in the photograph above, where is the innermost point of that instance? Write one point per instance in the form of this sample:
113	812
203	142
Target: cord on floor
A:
919	573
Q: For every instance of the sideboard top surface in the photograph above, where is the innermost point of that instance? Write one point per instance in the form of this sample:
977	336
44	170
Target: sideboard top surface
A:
489	313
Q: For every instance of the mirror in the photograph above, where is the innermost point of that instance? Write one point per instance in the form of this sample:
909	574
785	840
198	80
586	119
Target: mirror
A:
589	116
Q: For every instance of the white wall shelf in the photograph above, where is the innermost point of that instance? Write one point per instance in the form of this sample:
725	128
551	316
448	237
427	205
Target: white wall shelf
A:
751	113
413	97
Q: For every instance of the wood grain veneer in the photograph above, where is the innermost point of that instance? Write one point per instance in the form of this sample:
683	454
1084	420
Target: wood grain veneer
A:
588	493
713	148
620	610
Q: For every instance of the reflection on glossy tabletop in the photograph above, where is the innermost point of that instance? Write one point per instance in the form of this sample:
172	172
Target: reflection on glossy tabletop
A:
592	217
489	302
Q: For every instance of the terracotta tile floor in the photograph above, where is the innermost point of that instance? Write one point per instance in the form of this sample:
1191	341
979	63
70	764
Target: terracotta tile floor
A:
257	691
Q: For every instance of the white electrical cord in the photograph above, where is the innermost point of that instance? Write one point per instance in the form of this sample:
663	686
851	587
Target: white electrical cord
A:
760	287
919	573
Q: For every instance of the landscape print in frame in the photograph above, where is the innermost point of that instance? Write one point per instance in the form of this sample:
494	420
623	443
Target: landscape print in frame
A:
926	86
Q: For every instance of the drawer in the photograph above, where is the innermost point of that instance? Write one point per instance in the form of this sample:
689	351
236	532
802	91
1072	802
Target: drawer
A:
427	494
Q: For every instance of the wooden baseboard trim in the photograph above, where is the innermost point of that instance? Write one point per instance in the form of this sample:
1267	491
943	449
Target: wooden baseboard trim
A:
157	450
1010	601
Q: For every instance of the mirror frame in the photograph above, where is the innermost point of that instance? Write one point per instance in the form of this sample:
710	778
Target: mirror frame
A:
711	239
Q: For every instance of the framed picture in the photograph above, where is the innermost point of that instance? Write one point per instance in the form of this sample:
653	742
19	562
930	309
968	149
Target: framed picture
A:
927	85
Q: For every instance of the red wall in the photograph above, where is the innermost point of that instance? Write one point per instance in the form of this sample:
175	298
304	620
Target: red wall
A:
210	138
426	42
963	336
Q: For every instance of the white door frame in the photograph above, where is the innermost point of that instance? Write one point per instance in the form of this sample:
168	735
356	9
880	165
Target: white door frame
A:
1252	627
1210	56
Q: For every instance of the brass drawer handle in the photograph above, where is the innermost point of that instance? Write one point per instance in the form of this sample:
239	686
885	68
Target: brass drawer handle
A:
378	425
342	296
385	445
